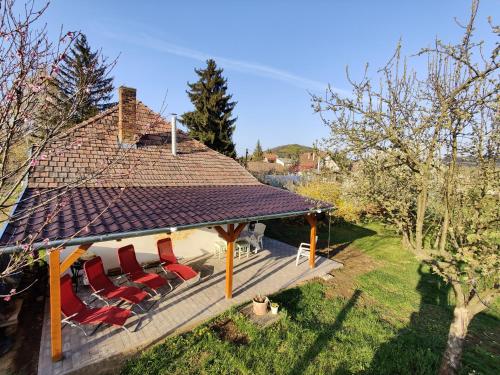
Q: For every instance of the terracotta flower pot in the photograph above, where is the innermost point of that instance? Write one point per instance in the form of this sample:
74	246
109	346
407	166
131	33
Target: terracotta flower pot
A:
260	308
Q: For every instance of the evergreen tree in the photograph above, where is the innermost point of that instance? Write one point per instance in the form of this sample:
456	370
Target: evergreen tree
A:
258	154
211	120
84	75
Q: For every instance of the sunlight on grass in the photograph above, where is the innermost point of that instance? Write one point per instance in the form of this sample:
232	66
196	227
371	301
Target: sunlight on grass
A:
395	321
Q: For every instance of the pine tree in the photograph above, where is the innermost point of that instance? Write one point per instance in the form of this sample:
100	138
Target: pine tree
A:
211	120
258	154
84	75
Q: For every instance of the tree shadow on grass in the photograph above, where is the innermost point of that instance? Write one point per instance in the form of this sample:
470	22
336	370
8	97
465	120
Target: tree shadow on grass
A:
291	300
418	347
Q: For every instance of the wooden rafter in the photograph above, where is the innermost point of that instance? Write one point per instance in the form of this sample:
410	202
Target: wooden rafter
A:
71	258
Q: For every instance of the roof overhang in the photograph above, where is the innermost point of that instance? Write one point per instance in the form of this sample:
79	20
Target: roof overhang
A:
141	233
147	211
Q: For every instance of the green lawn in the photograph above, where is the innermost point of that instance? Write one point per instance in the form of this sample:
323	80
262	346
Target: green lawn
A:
393	320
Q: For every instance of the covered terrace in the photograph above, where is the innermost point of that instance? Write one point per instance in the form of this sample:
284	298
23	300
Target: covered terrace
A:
83	217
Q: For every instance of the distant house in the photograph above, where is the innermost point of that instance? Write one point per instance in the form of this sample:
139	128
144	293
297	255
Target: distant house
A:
307	161
285	162
270	158
318	161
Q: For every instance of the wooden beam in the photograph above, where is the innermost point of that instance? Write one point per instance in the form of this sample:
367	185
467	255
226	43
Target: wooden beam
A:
311	219
229	262
222	233
75	254
312	240
238	230
55	305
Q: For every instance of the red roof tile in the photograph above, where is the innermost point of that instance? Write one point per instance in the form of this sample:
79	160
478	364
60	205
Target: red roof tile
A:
113	210
90	156
87	185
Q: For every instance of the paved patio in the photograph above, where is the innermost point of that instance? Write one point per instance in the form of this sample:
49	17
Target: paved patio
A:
267	272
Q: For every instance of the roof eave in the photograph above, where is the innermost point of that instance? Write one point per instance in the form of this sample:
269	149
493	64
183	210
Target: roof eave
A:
146	232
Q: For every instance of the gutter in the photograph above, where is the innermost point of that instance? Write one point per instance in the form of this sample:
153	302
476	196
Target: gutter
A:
141	233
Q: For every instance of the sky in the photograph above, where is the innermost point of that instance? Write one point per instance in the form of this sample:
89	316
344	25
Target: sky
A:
274	53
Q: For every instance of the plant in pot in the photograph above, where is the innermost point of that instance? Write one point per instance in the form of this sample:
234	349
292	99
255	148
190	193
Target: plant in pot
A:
274	308
260	303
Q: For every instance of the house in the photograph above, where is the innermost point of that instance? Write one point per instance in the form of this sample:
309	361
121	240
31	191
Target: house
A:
129	176
318	161
270	158
285	162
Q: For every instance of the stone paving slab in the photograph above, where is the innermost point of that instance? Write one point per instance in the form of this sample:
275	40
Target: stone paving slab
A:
266	272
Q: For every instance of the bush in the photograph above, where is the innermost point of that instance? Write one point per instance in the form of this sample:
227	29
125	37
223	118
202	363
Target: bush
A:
331	192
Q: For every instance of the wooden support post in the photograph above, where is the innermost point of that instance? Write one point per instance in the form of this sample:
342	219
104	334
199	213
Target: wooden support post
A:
229	262
55	304
230	236
312	239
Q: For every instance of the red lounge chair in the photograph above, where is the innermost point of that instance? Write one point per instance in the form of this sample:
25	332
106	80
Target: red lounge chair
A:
78	314
103	287
169	261
134	271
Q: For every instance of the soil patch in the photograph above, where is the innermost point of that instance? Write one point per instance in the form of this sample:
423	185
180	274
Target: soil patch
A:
344	279
227	331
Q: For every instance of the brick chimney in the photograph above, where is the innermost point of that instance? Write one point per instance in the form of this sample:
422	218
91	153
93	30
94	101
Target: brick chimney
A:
127	121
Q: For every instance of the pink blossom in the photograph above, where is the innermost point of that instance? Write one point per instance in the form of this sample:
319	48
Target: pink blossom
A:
8	297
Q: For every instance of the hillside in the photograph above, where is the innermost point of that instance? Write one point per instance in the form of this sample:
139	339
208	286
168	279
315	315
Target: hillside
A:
287	151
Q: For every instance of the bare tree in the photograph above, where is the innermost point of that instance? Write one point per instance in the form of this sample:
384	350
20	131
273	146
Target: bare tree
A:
29	64
428	145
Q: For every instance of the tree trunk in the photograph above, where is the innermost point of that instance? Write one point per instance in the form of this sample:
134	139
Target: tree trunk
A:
444	228
450	181
419	225
456	338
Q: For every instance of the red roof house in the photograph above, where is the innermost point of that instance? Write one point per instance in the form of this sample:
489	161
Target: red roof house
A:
127	173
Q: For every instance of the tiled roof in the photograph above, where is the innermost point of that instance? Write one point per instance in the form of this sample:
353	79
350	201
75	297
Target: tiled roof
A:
86	184
90	156
116	210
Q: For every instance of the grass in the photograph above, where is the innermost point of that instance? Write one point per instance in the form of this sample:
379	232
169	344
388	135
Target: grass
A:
392	317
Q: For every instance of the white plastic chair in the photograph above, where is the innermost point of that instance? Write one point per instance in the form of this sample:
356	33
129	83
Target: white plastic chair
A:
259	233
304	250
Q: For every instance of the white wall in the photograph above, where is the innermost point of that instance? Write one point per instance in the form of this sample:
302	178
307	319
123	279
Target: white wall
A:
187	244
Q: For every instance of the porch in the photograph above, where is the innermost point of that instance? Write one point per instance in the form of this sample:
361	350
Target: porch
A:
266	272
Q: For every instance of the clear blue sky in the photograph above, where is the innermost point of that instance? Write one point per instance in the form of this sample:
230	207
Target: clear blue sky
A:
272	52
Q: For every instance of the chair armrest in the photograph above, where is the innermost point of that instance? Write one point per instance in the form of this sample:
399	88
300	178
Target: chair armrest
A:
304	244
68	318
